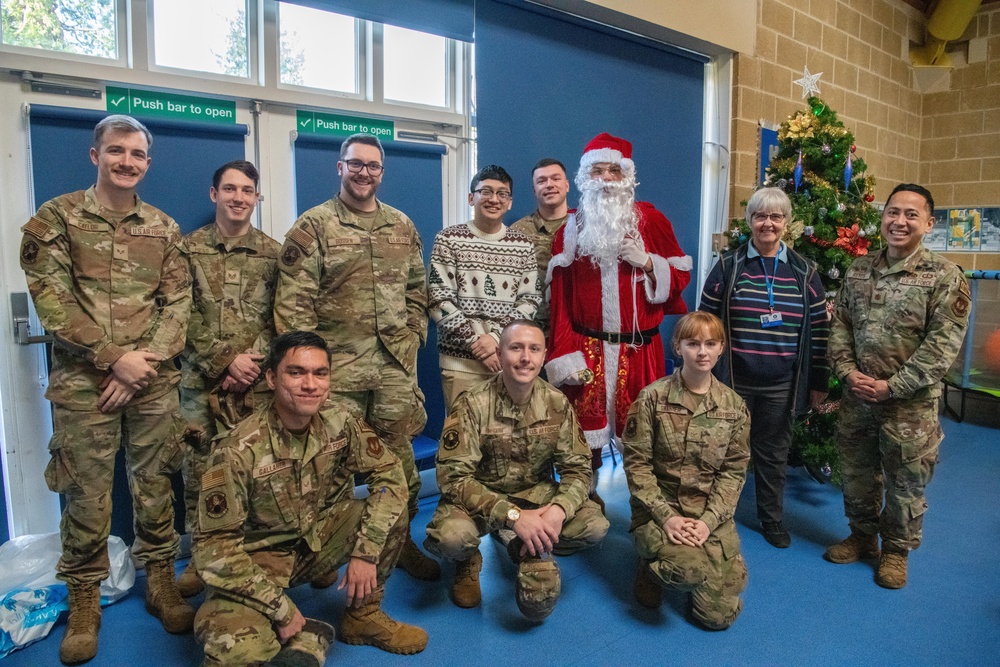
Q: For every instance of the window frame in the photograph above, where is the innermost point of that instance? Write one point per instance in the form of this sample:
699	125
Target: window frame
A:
361	37
123	26
253	57
451	74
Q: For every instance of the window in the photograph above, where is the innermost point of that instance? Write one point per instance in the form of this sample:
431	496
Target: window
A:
202	36
82	27
415	67
318	49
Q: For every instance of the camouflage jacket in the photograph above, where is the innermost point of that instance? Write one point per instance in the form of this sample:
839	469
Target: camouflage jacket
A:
902	323
266	497
541	231
103	289
686	456
356	289
491	450
233	302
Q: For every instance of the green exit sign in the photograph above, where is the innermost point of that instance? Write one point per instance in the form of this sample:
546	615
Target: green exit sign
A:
315	122
167	105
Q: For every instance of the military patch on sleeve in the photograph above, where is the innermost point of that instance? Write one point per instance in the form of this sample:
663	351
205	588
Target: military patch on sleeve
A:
449	435
216	504
631	427
302	238
291	255
960	306
38	228
213	478
963	287
29	251
374	447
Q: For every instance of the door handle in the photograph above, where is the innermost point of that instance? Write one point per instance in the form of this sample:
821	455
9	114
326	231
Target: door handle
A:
22	323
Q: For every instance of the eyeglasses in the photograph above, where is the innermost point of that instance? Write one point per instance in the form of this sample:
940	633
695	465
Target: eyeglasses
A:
612	169
489	193
355	166
773	217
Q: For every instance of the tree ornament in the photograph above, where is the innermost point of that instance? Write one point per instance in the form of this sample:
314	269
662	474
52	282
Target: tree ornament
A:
825	149
862	233
808	231
798	172
841	206
781	183
834	272
848	171
854	148
869	197
822	212
810	84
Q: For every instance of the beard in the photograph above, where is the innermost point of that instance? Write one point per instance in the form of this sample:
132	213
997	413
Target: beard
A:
607	215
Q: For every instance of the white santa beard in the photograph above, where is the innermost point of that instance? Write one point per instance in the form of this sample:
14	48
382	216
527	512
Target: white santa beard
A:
607	213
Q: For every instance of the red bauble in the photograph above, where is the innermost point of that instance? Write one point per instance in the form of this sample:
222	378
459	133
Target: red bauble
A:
854	148
869	197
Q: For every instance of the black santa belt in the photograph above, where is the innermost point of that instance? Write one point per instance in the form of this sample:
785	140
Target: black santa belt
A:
619	337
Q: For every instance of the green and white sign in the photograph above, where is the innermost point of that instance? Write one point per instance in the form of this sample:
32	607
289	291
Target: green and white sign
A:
314	122
166	105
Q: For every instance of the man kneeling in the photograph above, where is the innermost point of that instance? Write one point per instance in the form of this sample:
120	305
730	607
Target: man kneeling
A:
495	470
277	509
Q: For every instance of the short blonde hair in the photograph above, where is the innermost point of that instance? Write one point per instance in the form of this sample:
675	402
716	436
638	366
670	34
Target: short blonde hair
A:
698	322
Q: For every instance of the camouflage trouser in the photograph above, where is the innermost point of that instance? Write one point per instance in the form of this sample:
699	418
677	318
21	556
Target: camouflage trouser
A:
454	535
888	450
198	434
714	576
453	383
233	633
82	465
396	412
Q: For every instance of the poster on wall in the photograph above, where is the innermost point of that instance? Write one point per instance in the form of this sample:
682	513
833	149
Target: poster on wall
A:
991	230
768	148
964	229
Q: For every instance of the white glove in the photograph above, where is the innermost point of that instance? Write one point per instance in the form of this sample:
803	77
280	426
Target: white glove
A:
633	254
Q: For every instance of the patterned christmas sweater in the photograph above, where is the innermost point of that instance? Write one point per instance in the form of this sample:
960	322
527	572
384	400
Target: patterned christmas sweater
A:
477	284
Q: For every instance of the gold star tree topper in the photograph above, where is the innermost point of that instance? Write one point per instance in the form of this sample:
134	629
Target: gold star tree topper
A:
809	83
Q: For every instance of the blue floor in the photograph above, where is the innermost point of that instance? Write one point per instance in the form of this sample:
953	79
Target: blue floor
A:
798	609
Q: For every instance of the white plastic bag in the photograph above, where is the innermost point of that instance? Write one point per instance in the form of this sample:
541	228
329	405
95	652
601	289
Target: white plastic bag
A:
31	598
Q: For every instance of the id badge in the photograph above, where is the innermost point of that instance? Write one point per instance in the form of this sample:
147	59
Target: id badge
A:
770	320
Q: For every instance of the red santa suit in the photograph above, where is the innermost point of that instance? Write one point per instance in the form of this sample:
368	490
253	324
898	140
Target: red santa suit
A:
608	321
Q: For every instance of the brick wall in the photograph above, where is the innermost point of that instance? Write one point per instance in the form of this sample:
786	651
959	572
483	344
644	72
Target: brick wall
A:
949	141
960	137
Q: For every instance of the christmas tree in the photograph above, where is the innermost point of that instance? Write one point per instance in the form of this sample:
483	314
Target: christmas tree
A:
832	222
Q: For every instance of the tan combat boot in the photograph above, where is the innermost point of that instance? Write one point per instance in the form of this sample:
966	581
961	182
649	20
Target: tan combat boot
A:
465	590
164	601
647	589
189	583
891	569
79	644
371	626
858	546
416	563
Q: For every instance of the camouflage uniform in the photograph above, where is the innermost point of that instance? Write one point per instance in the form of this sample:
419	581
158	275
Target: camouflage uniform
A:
687	456
494	456
904	324
541	231
233	312
364	292
276	511
104	287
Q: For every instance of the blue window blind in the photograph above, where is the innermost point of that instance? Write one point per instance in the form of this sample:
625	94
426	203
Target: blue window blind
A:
411	183
185	155
546	85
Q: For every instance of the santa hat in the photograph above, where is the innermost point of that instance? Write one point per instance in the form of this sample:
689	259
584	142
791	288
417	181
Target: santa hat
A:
606	148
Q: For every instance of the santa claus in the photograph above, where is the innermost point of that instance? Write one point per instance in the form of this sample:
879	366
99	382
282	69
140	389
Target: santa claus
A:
616	270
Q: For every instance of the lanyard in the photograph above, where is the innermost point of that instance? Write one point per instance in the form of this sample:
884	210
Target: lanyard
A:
769	281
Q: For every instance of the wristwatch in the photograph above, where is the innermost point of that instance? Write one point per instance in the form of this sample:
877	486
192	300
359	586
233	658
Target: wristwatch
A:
513	514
